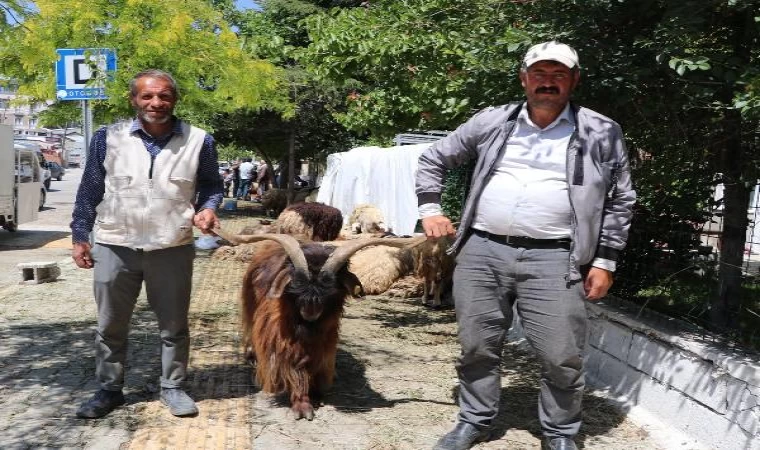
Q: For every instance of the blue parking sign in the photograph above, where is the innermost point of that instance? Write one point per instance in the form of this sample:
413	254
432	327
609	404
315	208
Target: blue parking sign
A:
81	73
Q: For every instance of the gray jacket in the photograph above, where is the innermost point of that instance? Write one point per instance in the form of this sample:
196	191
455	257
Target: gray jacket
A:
598	175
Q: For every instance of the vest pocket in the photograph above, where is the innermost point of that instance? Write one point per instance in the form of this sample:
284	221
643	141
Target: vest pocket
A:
110	221
173	220
181	188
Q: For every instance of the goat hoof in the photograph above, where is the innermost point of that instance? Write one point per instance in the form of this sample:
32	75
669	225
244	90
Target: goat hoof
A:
308	415
303	411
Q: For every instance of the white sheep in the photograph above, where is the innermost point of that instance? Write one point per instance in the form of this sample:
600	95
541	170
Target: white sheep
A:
367	219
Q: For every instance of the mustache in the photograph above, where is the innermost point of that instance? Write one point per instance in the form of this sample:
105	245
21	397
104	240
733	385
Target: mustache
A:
547	90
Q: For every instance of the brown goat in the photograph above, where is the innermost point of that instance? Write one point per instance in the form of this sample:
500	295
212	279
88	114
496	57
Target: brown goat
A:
293	297
436	268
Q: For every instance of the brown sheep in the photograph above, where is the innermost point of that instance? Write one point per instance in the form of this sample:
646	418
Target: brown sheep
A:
314	221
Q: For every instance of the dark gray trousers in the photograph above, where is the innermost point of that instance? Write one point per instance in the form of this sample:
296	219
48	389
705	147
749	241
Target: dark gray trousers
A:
490	278
119	275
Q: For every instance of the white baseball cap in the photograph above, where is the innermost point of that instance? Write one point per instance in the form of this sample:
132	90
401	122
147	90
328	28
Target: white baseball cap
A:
551	51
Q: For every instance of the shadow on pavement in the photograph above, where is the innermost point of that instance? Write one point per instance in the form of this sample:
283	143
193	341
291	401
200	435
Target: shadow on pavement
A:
29	239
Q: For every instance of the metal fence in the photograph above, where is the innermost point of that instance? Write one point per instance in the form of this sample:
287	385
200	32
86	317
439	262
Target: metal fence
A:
680	277
711	233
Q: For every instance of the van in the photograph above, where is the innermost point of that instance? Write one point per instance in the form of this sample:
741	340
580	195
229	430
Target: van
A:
22	192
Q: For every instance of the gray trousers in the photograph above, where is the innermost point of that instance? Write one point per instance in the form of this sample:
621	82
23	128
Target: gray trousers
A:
490	278
119	275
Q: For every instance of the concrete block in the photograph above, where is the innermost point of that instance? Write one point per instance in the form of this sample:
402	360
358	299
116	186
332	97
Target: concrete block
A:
693	418
38	272
594	330
612	338
743	406
693	376
610	373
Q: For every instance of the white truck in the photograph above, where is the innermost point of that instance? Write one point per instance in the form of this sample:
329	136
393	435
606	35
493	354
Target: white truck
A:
22	193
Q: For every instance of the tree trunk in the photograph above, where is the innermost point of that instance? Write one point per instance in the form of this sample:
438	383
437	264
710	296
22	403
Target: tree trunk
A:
290	176
724	313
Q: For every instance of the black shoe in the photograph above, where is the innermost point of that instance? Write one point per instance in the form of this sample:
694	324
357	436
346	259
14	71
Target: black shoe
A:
462	437
179	403
102	403
558	443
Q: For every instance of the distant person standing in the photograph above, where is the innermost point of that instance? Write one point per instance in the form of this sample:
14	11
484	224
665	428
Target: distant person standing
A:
246	177
263	177
146	183
235	177
228	178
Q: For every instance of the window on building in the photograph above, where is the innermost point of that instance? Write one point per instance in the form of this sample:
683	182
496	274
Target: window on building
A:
33	122
19	121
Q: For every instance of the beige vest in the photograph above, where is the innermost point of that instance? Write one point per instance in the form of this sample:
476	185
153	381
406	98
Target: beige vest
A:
147	212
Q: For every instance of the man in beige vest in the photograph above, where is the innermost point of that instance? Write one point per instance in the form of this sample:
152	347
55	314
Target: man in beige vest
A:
147	181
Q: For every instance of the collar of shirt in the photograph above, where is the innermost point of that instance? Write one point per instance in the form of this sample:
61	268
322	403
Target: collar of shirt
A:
565	115
154	145
137	127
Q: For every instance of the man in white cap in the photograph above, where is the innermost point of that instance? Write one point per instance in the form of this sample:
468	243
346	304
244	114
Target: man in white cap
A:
547	214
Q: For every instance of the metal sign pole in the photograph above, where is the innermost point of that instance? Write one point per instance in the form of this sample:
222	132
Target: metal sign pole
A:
87	125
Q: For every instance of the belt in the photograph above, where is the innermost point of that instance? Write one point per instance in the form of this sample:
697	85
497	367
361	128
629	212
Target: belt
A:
524	241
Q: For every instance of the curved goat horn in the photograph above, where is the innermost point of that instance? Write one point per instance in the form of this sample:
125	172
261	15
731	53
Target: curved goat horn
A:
289	244
342	253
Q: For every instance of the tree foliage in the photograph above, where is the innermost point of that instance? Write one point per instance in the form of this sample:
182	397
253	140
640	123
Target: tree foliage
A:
61	115
417	64
187	38
275	33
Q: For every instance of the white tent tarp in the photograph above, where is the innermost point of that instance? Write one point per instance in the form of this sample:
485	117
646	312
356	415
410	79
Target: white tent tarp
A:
383	177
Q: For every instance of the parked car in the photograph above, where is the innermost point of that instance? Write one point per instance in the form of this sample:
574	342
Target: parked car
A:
56	170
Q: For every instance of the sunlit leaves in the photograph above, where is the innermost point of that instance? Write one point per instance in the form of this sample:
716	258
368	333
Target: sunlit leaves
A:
188	38
417	64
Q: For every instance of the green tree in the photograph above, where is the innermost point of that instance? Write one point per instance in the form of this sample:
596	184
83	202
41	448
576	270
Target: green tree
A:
417	64
61	115
188	38
308	130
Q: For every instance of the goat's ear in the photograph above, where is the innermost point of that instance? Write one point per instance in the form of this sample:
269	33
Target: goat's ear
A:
352	285
278	285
